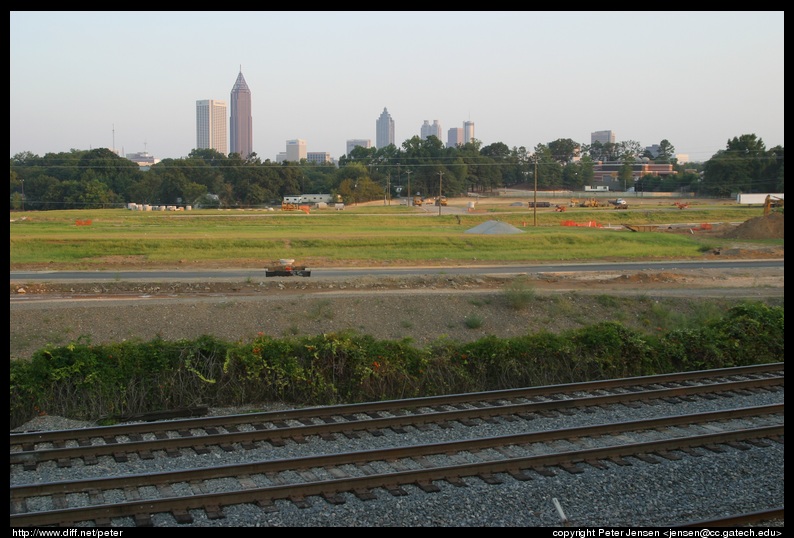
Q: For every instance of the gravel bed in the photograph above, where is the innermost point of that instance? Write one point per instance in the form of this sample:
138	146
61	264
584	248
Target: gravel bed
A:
638	495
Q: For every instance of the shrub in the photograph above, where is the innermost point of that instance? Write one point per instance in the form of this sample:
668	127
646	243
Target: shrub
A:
88	382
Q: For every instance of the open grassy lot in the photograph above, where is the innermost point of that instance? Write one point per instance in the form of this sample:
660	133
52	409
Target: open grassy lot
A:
366	234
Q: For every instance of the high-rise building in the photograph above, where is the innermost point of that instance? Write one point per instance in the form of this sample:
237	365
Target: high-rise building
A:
364	143
468	131
431	130
296	150
384	130
211	125
454	137
241	130
604	137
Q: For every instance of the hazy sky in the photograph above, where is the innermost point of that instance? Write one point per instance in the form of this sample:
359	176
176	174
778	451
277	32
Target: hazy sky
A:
83	80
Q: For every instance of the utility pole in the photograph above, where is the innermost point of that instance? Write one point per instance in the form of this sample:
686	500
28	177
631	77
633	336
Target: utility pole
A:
438	200
399	180
410	194
535	202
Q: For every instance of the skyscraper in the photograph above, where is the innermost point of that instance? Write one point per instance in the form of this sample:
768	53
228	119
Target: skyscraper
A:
240	124
605	137
384	130
296	150
350	144
431	130
468	131
211	125
454	137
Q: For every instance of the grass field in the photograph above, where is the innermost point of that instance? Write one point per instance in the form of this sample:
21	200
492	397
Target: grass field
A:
366	234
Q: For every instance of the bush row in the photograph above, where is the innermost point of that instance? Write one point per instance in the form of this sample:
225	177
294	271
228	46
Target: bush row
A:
84	381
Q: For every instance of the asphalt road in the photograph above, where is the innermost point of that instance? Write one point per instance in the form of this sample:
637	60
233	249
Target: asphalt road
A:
337	272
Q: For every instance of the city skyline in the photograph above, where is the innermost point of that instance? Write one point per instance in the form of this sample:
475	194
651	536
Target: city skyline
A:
129	81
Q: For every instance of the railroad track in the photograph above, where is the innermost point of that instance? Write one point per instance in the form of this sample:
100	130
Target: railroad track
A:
332	475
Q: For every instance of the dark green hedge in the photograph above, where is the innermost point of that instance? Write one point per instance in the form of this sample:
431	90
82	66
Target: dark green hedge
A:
84	381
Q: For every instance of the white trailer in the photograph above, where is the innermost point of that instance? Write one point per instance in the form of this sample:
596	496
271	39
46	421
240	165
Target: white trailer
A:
759	199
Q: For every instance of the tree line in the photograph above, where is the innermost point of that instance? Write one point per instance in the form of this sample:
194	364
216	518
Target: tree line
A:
98	178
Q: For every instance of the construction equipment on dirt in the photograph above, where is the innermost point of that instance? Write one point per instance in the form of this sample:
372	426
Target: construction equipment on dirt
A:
619	203
287	267
771	202
681	205
560	208
441	200
417	200
591	202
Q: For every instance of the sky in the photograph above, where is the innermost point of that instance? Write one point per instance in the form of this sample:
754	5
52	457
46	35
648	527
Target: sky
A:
130	80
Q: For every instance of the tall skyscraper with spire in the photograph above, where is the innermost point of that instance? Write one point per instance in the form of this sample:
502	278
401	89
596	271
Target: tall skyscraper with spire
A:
384	130
241	130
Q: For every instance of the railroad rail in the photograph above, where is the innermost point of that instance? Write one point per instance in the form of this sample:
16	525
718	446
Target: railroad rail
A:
366	473
504	458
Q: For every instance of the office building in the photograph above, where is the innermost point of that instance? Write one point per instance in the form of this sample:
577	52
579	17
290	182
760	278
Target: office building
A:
319	157
142	158
454	137
296	150
211	125
364	143
384	130
241	130
604	137
431	130
468	131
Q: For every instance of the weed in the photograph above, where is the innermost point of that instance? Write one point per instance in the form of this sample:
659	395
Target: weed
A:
321	310
473	322
518	294
608	301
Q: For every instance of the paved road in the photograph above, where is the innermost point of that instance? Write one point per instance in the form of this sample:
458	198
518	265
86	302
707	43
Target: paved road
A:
337	272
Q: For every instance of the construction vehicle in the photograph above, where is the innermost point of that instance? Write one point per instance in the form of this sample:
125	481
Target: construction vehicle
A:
592	202
619	203
681	205
560	208
441	200
417	200
286	267
770	202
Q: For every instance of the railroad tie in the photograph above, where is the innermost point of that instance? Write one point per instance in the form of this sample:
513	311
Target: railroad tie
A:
520	475
182	516
427	486
488	478
367	495
143	520
214	511
299	501
332	497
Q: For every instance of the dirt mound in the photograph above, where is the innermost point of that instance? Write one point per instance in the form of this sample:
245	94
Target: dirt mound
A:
769	227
